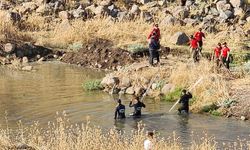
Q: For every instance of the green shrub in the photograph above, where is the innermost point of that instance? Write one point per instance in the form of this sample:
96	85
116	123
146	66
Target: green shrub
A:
92	85
209	108
136	48
174	95
215	113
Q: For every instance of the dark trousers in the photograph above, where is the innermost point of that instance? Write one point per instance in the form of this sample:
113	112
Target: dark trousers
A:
225	62
195	55
200	43
153	54
183	108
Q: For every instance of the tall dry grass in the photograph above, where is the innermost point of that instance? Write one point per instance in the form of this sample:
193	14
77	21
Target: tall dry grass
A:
213	87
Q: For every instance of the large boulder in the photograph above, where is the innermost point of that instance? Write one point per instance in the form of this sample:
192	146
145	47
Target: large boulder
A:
134	9
125	82
181	12
179	38
224	15
64	15
130	91
237	3
109	81
223	6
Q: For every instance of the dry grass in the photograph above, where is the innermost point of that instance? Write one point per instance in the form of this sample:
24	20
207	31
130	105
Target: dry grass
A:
65	136
212	89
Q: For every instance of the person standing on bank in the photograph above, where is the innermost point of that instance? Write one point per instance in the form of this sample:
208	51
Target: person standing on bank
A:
153	49
217	54
199	35
184	101
157	32
120	110
137	104
225	55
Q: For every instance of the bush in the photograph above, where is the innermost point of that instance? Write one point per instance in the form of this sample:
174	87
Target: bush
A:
209	108
92	85
216	113
174	95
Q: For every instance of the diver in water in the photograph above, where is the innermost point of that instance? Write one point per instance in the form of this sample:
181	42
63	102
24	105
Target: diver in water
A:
137	104
120	110
184	101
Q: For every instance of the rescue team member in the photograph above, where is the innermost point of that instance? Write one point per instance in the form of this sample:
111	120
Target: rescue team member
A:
225	55
148	143
184	101
199	35
217	54
153	49
194	47
120	110
135	102
155	30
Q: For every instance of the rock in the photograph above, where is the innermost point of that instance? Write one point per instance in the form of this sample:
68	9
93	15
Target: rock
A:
189	3
145	1
238	12
25	60
162	2
105	2
179	38
78	13
22	146
135	9
130	91
9	47
30	6
236	3
146	16
109	81
223	6
248	19
169	20
154	86
125	82
27	68
64	15
190	21
243	118
224	15
180	12
64	27
167	88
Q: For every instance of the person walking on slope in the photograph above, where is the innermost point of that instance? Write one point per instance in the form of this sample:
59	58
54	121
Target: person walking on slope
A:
137	104
120	110
225	55
199	35
217	54
148	143
184	101
194	47
153	49
155	30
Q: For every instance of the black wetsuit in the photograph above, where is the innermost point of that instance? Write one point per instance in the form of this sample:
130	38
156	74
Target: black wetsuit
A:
153	51
138	106
120	112
184	101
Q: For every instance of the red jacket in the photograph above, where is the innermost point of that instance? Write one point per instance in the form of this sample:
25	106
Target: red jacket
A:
224	52
194	43
158	34
199	35
217	51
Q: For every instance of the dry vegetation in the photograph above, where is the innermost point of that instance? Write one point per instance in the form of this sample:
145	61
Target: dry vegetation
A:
65	136
213	88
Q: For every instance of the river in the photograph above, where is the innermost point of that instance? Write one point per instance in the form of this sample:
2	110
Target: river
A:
55	87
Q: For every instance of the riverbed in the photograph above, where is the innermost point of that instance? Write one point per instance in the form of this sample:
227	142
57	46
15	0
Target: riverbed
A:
56	87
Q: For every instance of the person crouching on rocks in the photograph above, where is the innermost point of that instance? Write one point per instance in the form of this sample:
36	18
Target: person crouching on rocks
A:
153	49
137	104
184	101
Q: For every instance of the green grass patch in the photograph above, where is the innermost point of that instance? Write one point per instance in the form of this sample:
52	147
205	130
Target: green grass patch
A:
209	108
174	95
215	113
92	85
136	48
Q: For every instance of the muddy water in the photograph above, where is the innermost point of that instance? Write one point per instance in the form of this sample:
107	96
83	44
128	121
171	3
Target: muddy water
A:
56	87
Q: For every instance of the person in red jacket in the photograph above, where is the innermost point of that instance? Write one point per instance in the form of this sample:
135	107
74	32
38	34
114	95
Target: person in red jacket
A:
194	47
225	55
155	30
199	37
217	53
